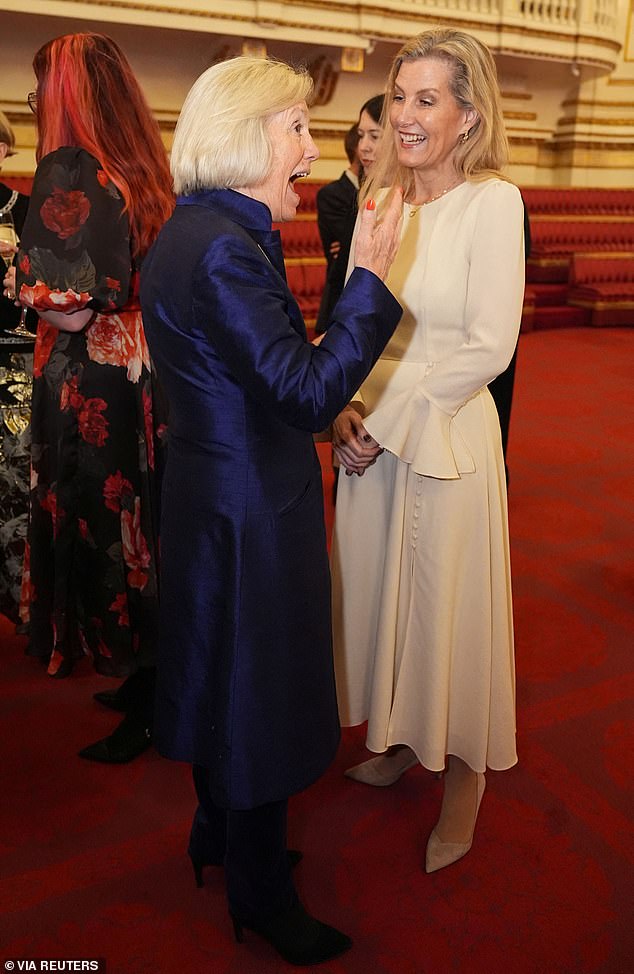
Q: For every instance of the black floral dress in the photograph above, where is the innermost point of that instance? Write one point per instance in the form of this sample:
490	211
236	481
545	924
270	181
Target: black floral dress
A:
90	574
16	364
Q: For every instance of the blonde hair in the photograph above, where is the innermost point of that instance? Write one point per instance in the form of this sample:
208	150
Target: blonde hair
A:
474	85
6	134
221	138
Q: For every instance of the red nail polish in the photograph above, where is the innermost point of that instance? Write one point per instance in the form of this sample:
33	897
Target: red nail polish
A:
370	205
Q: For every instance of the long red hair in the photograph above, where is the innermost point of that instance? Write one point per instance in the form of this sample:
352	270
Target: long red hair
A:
88	96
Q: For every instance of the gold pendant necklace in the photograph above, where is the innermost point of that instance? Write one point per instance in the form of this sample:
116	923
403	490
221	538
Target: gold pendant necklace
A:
414	208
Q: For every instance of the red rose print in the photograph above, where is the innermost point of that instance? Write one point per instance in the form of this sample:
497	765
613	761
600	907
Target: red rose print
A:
93	427
25	264
120	605
39	297
135	549
70	395
102	178
83	528
112	340
149	429
65	212
49	503
46	338
113	284
114	489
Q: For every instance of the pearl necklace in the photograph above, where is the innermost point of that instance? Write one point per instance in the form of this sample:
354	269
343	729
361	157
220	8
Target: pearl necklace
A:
414	208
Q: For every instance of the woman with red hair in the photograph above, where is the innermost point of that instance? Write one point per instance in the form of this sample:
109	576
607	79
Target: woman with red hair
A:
102	191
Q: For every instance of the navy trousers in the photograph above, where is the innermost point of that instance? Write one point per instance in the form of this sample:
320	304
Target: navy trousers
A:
252	846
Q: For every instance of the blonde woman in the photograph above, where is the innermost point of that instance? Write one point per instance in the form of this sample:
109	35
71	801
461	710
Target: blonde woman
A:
422	592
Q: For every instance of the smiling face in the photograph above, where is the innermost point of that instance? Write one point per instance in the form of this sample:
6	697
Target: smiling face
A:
427	121
369	136
293	153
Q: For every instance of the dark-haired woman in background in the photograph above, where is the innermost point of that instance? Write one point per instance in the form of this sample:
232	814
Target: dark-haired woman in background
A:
102	190
337	204
369	129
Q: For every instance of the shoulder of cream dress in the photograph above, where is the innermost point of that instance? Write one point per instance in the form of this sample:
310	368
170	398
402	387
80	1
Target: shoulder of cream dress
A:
477	234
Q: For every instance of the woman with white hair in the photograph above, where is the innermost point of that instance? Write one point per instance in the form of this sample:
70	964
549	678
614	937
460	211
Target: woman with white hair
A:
245	674
423	615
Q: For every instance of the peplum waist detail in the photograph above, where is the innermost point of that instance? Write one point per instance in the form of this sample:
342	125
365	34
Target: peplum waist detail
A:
401	417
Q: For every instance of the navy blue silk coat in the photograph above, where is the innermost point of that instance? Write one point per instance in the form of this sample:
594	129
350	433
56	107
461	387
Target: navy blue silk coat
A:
245	673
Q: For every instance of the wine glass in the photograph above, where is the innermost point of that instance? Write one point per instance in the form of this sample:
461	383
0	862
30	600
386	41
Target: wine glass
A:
7	236
10	237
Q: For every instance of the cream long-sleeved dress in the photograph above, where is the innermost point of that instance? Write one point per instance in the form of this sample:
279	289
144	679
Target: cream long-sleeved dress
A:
423	627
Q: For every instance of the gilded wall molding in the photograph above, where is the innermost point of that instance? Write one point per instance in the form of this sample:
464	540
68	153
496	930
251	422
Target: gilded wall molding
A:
521	116
262	25
610	147
597	103
589	120
362	29
524	140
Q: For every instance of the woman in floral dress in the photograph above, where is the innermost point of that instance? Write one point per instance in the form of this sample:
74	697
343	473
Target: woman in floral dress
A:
101	192
16	364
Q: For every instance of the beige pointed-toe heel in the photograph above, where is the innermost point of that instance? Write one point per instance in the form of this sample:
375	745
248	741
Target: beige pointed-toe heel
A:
440	854
384	769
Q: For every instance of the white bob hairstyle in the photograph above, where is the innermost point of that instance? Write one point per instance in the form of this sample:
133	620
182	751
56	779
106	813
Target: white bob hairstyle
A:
222	139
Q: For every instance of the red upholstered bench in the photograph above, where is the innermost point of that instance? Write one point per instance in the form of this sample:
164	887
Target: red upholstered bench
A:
304	255
308	193
314	280
300	238
306	278
578	200
603	283
554	241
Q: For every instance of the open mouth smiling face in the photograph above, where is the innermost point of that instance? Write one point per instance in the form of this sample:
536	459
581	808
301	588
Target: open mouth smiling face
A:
293	153
298	175
426	119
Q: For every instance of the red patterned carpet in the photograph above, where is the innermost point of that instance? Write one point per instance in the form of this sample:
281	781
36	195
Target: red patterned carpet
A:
93	858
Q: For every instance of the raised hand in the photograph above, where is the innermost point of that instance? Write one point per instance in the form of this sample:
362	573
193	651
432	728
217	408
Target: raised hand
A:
378	240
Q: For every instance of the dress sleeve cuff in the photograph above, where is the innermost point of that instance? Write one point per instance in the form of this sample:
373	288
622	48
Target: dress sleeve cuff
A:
412	428
41	298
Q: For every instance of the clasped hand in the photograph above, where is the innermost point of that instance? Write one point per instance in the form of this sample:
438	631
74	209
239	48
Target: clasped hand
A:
376	246
355	449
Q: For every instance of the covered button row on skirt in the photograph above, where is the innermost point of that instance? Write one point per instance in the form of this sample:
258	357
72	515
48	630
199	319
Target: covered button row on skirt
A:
415	519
